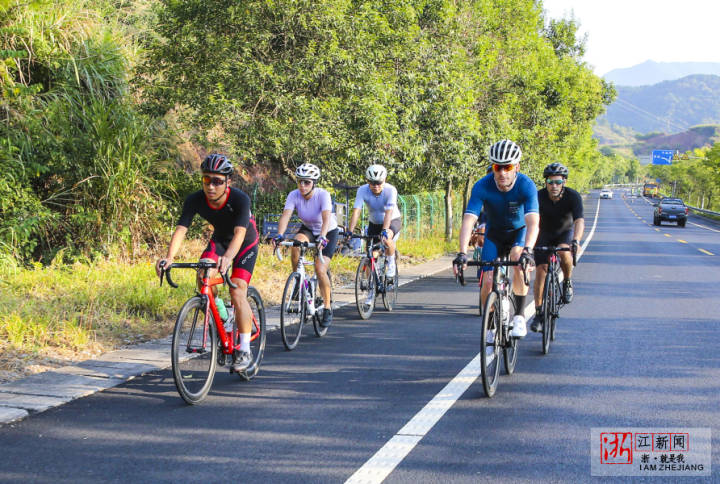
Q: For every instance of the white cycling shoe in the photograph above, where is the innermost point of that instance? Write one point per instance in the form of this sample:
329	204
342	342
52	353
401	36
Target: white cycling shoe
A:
519	327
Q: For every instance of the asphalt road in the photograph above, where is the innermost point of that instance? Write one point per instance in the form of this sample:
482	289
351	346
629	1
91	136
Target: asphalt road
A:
636	348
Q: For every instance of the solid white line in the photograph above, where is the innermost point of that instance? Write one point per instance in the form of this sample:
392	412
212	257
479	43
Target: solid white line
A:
390	455
704	227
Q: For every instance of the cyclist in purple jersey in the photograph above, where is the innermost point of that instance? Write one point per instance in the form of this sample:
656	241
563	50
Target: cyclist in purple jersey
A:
510	202
314	208
561	224
233	243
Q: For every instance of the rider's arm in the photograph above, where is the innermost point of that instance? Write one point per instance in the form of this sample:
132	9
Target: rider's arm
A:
532	222
354	219
284	219
578	229
466	230
387	219
326	216
175	242
232	249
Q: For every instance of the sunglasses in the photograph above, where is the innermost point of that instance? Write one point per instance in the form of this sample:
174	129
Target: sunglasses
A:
211	180
506	168
304	182
375	183
554	182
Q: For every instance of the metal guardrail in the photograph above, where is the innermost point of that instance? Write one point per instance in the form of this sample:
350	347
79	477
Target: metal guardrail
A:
703	211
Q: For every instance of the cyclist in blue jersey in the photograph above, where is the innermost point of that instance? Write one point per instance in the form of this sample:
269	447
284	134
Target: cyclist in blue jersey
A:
384	216
509	199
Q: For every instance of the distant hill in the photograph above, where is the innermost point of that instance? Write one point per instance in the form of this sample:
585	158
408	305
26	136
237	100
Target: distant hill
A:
670	106
622	140
649	72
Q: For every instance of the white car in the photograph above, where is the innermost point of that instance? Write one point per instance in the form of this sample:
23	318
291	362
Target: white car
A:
606	193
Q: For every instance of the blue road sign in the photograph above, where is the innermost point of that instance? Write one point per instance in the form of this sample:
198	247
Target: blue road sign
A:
662	157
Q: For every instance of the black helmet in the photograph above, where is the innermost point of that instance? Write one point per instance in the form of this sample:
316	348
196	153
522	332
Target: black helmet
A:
217	163
554	169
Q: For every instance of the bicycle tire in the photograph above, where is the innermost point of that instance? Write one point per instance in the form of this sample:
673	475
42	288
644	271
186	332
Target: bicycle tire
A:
547	309
257	334
292	312
390	296
194	351
510	353
490	360
557	302
365	289
319	330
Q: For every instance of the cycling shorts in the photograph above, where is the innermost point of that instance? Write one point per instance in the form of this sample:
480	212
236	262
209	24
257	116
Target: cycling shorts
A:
547	239
500	243
332	237
395	226
244	261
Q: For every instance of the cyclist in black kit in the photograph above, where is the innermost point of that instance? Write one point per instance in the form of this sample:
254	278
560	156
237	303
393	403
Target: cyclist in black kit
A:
234	242
562	225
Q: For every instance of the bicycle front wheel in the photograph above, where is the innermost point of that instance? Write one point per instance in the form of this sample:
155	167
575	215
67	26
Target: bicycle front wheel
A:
365	289
257	333
391	287
194	351
319	330
547	309
292	312
490	346
510	353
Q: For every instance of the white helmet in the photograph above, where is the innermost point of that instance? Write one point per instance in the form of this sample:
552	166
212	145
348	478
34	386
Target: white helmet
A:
376	173
505	152
308	171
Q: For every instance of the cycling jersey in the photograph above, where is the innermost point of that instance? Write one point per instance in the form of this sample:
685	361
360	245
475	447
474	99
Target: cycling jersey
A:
378	204
235	212
310	211
558	217
505	211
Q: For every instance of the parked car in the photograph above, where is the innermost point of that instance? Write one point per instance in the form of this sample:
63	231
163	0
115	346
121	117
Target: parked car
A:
670	210
606	193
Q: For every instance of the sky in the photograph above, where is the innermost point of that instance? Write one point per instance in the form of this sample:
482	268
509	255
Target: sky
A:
624	33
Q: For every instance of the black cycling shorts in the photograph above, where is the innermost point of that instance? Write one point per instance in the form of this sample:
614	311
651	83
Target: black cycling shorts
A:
395	226
244	261
547	239
332	237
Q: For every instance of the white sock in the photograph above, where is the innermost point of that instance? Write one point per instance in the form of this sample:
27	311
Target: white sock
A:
391	259
245	342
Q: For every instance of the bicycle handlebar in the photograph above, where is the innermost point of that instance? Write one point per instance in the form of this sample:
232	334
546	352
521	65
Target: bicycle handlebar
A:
190	265
555	250
369	238
460	276
296	243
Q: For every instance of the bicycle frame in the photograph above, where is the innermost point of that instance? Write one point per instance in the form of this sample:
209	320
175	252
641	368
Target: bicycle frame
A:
226	338
309	285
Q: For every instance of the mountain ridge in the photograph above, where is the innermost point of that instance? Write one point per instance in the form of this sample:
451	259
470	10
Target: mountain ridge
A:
650	72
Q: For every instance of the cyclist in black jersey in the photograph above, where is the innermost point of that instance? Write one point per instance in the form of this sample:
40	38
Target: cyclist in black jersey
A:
234	242
562	225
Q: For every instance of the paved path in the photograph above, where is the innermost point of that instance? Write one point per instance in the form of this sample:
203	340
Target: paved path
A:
42	391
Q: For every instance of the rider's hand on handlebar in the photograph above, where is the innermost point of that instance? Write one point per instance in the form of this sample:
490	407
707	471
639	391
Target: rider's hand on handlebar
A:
322	242
277	239
575	245
384	234
159	266
528	257
224	263
460	262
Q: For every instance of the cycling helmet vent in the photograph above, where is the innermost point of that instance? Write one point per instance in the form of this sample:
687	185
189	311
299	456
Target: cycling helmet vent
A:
505	152
216	163
554	169
308	171
376	173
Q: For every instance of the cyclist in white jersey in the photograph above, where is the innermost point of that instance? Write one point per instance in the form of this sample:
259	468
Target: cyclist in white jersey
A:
383	214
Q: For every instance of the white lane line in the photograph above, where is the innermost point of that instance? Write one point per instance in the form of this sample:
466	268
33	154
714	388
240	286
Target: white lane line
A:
704	227
390	455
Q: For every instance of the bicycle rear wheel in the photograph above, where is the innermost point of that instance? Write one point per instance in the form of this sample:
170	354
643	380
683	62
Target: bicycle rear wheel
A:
257	333
510	353
194	351
391	287
490	350
319	330
292	312
365	289
547	309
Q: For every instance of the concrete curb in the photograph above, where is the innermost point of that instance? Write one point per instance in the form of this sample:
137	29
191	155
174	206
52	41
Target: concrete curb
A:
50	389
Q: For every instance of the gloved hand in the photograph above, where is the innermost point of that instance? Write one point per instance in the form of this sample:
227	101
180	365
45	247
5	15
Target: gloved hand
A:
527	256
322	242
384	234
575	245
460	260
278	238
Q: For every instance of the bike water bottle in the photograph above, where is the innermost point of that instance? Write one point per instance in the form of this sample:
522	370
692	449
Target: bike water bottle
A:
222	310
505	311
229	323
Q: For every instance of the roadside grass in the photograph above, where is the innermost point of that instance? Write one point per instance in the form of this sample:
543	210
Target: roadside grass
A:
68	312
